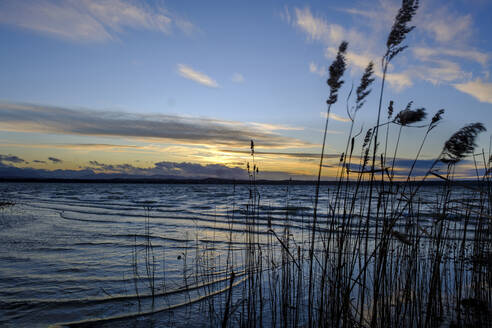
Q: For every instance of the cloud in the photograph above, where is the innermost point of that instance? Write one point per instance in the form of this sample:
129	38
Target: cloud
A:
437	71
318	29
425	53
90	20
170	169
166	128
437	67
189	73
379	15
313	68
237	78
274	127
105	147
38	161
446	26
478	89
55	160
11	159
336	117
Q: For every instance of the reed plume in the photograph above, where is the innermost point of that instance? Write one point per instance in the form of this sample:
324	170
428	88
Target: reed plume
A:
436	119
363	90
409	116
461	143
390	109
337	68
400	28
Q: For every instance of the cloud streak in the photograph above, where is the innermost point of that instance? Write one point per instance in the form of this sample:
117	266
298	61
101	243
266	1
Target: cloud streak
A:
478	89
446	26
318	29
319	70
156	127
336	117
182	170
201	78
469	54
90	20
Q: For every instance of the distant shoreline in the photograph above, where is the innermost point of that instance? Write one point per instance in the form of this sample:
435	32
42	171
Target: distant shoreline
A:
199	181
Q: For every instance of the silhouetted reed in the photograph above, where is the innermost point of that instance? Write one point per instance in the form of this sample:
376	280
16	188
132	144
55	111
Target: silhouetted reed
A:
383	251
461	143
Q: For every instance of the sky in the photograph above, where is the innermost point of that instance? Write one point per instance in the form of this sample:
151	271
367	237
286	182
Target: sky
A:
181	87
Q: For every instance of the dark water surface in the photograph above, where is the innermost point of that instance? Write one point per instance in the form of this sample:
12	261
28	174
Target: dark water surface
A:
67	251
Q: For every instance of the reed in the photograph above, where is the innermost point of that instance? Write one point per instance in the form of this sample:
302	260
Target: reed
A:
378	249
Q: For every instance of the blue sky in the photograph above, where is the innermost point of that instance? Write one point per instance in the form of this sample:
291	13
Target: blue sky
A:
227	70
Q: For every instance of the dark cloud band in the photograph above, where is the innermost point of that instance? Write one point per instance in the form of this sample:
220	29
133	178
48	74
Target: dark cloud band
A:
170	128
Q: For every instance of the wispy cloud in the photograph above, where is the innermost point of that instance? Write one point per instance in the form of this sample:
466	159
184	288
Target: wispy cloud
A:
469	54
88	146
173	169
443	71
157	127
478	89
274	127
446	26
336	117
317	28
237	78
313	68
189	73
90	20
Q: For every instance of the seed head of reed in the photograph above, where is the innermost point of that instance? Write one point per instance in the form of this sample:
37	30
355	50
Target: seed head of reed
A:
390	109
366	156
367	138
252	147
401	28
436	118
461	143
363	89
337	68
409	116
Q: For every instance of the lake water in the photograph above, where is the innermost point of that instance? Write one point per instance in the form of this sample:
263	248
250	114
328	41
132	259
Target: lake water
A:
74	252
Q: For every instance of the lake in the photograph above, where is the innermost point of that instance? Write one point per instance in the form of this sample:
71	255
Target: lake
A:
75	252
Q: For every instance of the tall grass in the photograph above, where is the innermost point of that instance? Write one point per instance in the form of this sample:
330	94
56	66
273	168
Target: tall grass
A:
382	251
380	259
